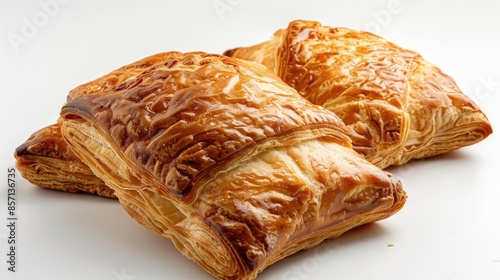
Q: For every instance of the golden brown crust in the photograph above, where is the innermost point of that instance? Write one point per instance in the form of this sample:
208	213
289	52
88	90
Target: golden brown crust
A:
45	160
396	105
193	138
225	159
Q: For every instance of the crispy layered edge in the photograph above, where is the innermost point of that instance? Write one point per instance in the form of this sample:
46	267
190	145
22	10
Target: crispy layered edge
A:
168	218
45	161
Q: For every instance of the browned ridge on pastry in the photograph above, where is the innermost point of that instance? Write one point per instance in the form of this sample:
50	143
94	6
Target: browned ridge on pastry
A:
225	159
396	105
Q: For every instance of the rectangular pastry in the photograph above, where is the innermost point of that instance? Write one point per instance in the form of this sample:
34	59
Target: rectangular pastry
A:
226	160
396	105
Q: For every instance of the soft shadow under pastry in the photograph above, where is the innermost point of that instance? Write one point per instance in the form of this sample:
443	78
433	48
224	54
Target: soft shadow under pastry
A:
396	105
225	159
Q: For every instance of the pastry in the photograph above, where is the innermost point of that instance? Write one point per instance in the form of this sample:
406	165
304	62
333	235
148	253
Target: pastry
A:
226	160
46	161
397	106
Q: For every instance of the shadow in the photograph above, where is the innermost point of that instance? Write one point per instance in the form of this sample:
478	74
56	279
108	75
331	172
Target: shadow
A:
363	233
327	251
446	172
104	235
111	228
456	156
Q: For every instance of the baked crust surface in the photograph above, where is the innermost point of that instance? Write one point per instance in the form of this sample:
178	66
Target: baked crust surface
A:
228	161
397	106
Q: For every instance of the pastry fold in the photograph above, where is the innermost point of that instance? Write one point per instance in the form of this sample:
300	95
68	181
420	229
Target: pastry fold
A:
226	160
45	160
397	106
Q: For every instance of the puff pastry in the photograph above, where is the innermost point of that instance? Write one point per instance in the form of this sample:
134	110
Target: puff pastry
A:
225	159
45	159
396	105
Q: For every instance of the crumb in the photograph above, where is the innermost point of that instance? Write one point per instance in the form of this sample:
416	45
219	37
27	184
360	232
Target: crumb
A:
390	245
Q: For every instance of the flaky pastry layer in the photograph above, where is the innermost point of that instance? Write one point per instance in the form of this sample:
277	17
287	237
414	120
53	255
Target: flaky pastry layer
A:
396	105
45	160
225	159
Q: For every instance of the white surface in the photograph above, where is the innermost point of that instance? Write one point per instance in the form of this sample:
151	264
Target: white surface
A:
448	230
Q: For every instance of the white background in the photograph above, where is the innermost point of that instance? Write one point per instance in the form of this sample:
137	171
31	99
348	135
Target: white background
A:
448	230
